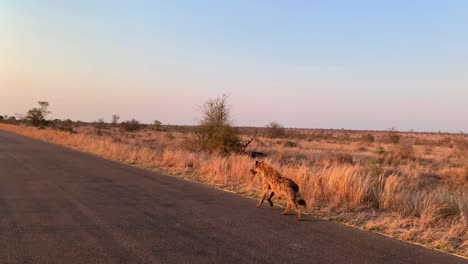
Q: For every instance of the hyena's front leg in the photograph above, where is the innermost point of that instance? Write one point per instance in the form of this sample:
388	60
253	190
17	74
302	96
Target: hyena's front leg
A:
263	198
266	189
297	208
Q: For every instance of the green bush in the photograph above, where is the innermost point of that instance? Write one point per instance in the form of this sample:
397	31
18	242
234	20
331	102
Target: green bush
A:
131	125
214	133
380	150
36	116
275	130
394	136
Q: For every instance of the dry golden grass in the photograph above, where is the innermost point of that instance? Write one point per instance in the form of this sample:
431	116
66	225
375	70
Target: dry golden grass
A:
409	191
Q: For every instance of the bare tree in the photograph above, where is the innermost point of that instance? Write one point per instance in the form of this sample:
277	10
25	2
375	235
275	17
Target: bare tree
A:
216	111
246	143
44	107
99	125
115	120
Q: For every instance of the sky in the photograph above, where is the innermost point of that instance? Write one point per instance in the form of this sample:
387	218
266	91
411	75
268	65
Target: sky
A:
309	64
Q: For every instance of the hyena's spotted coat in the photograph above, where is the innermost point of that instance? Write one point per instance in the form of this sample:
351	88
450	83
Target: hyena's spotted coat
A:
281	186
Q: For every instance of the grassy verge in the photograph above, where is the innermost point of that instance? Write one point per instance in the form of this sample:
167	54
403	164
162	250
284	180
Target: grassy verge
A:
391	202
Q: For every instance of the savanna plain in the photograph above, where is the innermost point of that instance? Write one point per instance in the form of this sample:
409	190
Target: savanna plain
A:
407	185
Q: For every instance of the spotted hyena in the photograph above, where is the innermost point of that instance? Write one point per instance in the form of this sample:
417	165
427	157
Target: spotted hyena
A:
281	186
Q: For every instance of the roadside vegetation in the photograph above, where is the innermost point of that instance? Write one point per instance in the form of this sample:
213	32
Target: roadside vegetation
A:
412	186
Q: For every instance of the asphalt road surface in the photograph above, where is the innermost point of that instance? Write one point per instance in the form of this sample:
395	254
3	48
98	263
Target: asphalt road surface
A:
62	206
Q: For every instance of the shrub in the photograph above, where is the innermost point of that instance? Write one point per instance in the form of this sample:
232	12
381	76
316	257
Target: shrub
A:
380	150
368	138
375	167
66	126
157	125
290	144
66	129
428	150
337	158
393	136
361	148
36	116
403	152
324	135
215	134
170	136
461	148
99	125
131	125
275	130
345	137
444	142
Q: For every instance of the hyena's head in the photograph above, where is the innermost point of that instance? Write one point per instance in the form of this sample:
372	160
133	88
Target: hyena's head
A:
258	165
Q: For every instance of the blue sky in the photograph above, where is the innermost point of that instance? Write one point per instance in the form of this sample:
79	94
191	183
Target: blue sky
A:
327	64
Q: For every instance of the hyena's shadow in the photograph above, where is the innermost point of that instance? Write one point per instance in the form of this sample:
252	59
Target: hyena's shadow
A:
305	217
309	218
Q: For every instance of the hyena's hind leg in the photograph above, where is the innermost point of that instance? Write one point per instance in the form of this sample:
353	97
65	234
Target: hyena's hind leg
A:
291	202
288	207
297	208
269	199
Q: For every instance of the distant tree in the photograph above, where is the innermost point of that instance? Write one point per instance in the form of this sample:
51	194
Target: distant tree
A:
275	130
131	125
62	125
36	116
215	133
1	118
55	123
68	124
19	116
115	120
11	118
157	124
99	125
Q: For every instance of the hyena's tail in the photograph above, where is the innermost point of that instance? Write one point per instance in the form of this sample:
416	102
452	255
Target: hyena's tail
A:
301	201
